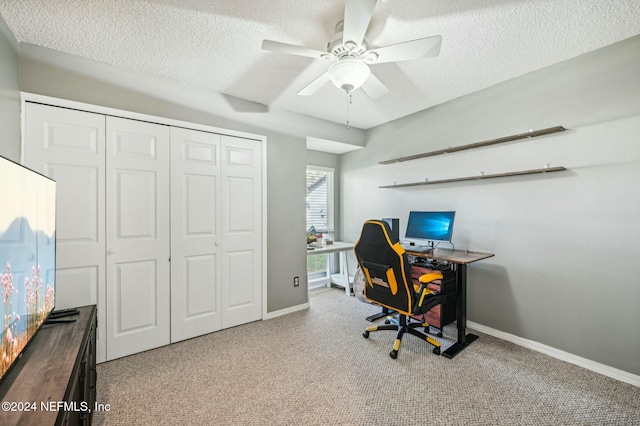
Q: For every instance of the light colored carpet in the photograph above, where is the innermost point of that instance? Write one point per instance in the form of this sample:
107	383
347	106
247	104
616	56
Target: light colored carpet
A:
314	368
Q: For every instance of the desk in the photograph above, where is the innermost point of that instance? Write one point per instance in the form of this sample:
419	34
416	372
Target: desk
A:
342	278
461	258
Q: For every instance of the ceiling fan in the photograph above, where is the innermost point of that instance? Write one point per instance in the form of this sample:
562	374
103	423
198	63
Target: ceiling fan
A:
351	53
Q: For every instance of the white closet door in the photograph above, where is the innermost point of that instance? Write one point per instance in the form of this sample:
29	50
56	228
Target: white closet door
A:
138	271
68	146
195	233
241	228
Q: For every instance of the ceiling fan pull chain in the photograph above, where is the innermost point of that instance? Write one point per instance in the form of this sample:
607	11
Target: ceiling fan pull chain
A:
348	102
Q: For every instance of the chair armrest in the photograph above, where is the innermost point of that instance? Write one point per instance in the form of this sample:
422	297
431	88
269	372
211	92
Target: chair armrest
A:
425	294
431	276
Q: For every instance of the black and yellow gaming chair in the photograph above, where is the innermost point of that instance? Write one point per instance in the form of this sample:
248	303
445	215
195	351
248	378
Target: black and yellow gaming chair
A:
387	282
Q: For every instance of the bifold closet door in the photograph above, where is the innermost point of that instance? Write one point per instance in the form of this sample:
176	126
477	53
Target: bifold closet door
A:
241	230
195	233
68	146
137	235
114	178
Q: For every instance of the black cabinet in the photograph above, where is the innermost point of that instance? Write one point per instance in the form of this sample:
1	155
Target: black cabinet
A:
56	375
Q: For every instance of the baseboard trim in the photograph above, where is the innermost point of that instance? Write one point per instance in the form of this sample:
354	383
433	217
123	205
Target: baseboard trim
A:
606	370
286	311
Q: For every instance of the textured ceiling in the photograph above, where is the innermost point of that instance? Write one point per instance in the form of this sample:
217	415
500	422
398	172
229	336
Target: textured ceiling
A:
216	45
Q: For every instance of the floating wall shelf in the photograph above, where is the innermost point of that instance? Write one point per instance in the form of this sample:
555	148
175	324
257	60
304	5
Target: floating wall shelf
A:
527	135
479	177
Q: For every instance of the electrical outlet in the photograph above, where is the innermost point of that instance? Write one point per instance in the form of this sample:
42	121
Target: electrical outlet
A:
296	281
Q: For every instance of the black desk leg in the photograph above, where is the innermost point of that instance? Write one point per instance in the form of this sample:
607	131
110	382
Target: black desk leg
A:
385	312
461	315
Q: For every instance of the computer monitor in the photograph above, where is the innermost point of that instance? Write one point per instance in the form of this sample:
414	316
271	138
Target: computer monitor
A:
430	226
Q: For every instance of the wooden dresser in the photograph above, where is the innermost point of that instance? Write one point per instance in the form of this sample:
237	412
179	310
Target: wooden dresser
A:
54	383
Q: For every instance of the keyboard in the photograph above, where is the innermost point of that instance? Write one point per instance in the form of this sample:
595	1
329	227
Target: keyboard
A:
417	249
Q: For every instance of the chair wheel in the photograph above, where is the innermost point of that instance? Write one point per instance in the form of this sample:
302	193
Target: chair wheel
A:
365	334
440	334
387	322
393	354
436	351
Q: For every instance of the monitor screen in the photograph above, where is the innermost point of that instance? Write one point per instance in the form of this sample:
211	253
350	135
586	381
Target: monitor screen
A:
432	226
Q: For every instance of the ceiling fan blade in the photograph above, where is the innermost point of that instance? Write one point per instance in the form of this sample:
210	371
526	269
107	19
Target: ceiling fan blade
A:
276	46
422	48
315	85
374	87
357	16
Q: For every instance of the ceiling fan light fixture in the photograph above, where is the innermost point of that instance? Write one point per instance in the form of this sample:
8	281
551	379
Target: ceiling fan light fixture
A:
349	74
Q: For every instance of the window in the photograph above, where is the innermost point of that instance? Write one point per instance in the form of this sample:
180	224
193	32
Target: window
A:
320	199
320	215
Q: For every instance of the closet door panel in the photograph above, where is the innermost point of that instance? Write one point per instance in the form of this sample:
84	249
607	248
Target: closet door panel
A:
69	146
138	269
195	236
135	288
241	222
240	294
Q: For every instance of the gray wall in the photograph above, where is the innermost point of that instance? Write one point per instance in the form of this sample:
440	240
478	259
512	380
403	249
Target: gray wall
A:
51	73
566	243
9	95
324	159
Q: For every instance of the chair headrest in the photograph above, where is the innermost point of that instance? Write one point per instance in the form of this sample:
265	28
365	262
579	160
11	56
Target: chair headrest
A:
378	231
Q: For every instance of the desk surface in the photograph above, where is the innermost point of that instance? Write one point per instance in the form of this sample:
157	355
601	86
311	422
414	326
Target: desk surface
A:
454	256
331	248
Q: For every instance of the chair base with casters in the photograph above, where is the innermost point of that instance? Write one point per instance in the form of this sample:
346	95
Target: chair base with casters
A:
404	327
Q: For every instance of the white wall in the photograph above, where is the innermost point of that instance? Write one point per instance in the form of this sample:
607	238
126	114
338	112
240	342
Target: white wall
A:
566	243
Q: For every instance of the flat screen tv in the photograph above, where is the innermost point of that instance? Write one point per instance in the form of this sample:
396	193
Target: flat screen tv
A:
27	257
430	226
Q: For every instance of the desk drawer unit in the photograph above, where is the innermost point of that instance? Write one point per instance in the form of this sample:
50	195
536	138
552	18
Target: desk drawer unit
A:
445	313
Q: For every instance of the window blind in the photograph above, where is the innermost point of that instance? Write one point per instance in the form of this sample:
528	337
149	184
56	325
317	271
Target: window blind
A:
320	204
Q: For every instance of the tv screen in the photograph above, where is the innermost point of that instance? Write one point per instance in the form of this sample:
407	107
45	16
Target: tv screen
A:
432	226
27	257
